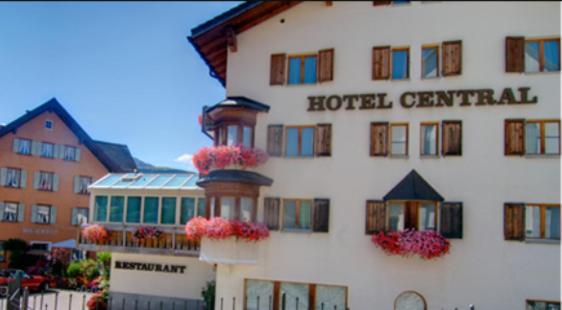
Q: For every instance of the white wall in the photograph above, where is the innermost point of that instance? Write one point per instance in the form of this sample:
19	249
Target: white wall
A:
187	285
482	268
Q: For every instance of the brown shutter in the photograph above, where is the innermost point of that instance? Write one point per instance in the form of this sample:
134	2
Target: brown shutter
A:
451	138
275	140
381	62
514	137
375	220
514	221
452	58
271	207
326	65
451	219
321	215
514	54
381	2
379	139
277	70
323	140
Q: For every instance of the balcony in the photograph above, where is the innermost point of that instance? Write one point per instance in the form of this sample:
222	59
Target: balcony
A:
172	241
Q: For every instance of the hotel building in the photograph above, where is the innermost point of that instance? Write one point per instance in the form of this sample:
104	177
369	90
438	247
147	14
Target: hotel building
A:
47	162
385	116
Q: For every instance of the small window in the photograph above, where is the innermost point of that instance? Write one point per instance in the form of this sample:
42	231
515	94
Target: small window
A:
430	62
133	209
10	212
13	178
47	150
79	216
399	139
228	205
429	138
400	63
410	300
22	146
81	184
542	55
46	181
299	142
151	206
542	137
232	135
100	208
168	215
49	124
70	153
542	221
542	305
116	209
247	136
302	69
43	214
246	208
297	214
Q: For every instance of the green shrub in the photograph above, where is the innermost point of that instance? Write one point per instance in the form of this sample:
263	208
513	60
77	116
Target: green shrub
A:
104	258
208	294
74	269
90	269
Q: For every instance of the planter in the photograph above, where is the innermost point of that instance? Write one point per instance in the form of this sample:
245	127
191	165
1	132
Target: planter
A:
229	251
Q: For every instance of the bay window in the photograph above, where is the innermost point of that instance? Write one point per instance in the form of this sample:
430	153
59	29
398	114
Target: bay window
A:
228	206
418	215
235	134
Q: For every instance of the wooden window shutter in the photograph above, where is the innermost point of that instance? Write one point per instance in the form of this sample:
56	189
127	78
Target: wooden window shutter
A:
451	138
381	62
514	54
514	137
379	139
326	65
277	70
275	140
271	208
514	221
375	220
321	215
452	58
385	2
323	140
451	219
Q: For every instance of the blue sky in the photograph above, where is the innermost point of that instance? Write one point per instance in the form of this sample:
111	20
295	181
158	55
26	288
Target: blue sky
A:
125	71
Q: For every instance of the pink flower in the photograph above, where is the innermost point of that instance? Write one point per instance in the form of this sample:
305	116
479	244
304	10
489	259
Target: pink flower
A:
196	228
227	155
95	233
426	244
219	229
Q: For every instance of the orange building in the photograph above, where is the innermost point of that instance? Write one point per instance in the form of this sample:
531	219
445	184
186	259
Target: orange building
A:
47	161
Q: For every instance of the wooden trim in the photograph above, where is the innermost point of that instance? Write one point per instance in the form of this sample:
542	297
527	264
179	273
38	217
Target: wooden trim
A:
276	296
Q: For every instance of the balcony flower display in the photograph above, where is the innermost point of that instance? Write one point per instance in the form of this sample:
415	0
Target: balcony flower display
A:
426	244
95	233
220	157
219	229
144	233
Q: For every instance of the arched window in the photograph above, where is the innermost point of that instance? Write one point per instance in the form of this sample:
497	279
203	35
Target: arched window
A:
410	300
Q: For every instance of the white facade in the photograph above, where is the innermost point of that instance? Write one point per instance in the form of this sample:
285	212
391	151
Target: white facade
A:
482	268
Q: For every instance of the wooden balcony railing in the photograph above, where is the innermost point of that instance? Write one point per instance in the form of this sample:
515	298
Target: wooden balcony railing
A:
172	241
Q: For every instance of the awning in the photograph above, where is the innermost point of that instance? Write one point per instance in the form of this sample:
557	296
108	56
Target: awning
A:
413	187
67	244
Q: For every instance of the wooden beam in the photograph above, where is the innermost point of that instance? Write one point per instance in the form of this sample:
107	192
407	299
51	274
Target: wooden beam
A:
267	15
231	39
328	3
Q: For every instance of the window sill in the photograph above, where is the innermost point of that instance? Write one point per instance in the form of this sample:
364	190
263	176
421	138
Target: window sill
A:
542	241
542	156
296	230
398	156
430	156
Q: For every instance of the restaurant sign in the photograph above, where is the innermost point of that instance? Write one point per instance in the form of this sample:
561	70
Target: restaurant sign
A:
423	99
155	267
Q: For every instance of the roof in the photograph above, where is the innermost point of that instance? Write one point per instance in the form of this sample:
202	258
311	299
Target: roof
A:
235	176
150	181
210	38
240	102
413	187
114	157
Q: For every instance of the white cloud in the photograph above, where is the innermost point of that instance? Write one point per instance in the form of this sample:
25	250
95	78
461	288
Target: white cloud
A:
186	159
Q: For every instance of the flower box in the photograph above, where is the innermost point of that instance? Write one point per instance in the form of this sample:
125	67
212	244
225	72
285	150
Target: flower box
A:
228	156
228	251
425	244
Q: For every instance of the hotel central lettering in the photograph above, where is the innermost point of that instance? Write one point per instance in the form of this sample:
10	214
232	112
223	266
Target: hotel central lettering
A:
423	99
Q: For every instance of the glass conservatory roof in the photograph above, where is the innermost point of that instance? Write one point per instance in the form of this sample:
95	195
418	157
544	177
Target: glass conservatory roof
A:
147	181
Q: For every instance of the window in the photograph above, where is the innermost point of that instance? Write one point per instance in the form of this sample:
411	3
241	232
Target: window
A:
49	124
133	209
81	184
232	135
13	177
70	153
299	142
302	69
399	139
116	209
228	206
412	214
79	216
47	150
22	146
297	214
247	136
542	305
168	215
45	181
187	209
410	300
42	214
201	207
400	63
151	206
388	2
542	55
271	212
542	221
542	137
236	135
100	208
430	61
10	212
429	133
246	208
